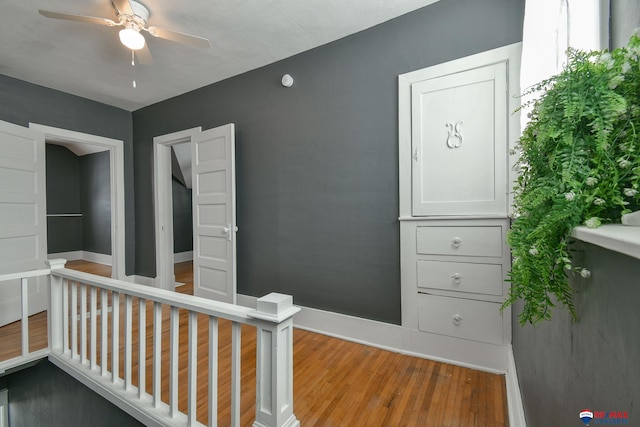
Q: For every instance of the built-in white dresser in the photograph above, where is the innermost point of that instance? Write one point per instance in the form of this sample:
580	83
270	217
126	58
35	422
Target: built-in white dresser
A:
456	130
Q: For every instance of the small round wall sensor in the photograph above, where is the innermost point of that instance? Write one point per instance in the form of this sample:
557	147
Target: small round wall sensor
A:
287	80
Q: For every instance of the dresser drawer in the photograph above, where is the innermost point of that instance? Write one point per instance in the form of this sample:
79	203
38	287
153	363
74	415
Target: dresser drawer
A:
468	241
461	276
462	318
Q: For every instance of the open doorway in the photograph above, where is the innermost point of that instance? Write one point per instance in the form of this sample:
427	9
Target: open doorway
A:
163	182
82	144
212	164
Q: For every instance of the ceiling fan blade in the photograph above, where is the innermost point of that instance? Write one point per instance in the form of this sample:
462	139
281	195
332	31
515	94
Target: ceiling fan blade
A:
80	18
178	37
144	55
123	6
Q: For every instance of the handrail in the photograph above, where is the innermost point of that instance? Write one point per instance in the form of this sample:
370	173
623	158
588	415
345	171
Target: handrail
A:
188	302
26	275
75	321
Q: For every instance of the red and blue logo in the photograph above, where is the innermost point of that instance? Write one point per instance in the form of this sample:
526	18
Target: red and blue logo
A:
604	417
586	416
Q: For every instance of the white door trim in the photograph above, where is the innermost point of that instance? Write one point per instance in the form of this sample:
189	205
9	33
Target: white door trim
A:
116	165
163	203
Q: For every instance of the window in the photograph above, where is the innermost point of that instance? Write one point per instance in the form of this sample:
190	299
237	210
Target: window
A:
550	27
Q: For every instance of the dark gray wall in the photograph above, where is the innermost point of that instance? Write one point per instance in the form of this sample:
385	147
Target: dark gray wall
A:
43	395
95	196
564	367
317	164
78	185
64	233
22	102
182	217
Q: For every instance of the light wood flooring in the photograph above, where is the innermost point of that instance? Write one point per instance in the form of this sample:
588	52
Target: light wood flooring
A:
336	382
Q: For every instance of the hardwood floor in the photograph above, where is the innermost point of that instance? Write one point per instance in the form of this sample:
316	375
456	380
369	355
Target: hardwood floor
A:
336	382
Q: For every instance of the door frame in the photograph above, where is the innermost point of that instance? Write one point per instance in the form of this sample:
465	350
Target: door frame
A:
116	168
163	203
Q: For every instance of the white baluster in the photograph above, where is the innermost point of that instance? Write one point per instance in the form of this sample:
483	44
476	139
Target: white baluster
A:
66	314
192	398
157	353
24	290
74	319
115	336
93	328
104	331
213	371
174	333
142	346
83	323
128	323
236	352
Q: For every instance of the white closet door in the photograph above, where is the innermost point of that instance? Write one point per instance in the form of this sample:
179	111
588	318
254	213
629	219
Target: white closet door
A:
23	232
214	214
459	143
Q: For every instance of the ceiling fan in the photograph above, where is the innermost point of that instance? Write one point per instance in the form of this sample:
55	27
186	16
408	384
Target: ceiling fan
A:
133	17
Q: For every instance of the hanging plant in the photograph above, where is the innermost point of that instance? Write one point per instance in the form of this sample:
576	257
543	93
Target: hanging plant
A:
579	164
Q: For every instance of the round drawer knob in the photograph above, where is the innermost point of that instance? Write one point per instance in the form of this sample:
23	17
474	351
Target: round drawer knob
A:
456	242
456	278
457	319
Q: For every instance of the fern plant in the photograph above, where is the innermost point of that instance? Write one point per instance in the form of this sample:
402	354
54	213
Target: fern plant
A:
579	164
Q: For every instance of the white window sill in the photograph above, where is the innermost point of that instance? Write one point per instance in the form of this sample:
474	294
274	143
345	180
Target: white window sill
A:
616	237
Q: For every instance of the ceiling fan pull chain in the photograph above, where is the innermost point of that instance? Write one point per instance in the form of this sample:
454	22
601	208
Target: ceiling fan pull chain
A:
133	66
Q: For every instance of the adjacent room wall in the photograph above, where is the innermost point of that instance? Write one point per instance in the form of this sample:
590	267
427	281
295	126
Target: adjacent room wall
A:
22	103
182	218
78	185
64	233
317	163
95	196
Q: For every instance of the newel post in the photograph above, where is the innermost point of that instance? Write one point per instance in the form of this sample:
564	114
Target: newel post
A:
55	305
274	364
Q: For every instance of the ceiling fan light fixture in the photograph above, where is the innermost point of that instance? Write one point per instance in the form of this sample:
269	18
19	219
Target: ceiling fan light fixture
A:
132	39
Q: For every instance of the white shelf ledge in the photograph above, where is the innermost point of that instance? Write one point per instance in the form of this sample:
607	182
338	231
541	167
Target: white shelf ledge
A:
616	237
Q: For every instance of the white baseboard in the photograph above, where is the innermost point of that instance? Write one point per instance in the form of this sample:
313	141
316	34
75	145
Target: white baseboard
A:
69	256
143	280
98	258
514	398
83	255
183	256
471	354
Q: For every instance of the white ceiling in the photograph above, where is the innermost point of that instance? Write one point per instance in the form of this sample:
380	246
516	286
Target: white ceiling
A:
88	60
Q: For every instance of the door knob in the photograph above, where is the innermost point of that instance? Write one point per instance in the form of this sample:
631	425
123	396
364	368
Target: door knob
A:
227	231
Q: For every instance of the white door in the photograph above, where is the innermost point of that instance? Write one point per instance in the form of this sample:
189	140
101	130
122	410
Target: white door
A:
23	236
459	143
214	214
